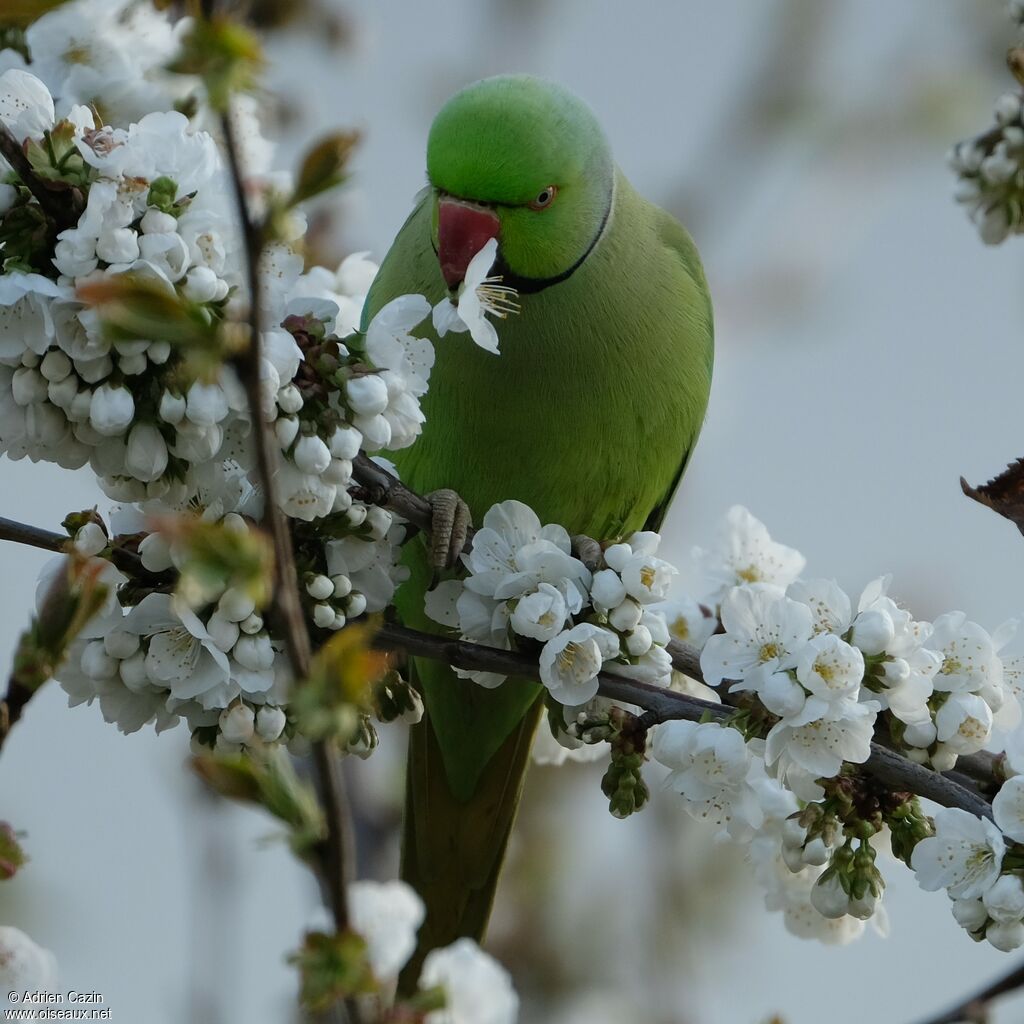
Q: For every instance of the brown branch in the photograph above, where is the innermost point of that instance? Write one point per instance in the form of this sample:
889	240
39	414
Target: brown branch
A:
12	705
975	1008
953	789
663	705
335	857
63	205
33	536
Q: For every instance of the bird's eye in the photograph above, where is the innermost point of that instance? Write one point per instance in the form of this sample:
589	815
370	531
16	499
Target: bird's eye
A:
545	198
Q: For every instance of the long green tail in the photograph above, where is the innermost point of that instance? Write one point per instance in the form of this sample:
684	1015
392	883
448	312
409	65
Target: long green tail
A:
453	848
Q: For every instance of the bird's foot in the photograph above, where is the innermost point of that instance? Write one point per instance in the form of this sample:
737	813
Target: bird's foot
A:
588	551
449	527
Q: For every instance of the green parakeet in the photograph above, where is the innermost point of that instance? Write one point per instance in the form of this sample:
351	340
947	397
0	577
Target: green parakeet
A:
588	415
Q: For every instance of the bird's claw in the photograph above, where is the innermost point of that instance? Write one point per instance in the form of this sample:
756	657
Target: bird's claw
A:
449	527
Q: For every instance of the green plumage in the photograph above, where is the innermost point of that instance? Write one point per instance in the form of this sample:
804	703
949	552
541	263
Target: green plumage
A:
588	415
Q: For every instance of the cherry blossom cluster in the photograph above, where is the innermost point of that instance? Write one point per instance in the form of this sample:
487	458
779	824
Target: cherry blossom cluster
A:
978	862
812	678
990	166
474	988
524	586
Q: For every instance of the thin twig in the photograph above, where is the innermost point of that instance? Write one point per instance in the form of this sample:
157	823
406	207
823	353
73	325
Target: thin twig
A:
336	857
63	204
663	705
975	1007
33	536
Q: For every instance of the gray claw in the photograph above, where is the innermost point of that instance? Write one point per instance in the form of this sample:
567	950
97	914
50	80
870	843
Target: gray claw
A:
450	523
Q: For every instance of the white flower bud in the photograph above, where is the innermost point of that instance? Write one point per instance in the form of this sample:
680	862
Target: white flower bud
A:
323	616
1007	108
254	652
781	695
339	621
970	914
96	663
286	428
921	734
206	404
234	522
311	454
92	371
111	410
356	605
237	723
55	365
828	898
344	442
376	432
223	631
62	393
864	908
289	399
639	641
607	589
379	520
319	588
356	515
873	631
339	473
367	395
120	245
146	454
342	585
251	625
1004	900
657	626
625	616
816	853
90	539
28	386
121	644
156	222
155	553
617	556
1006	936
172	407
201	285
270	722
133	365
793	858
235	604
80	406
133	672
944	758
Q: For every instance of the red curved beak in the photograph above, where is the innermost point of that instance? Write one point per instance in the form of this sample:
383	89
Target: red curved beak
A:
462	231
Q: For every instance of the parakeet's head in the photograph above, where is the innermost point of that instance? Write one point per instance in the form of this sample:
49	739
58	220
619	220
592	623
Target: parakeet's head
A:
524	161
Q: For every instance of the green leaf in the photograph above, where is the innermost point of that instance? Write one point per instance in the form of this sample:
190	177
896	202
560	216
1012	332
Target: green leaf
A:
324	165
332	967
268	780
216	556
224	54
12	856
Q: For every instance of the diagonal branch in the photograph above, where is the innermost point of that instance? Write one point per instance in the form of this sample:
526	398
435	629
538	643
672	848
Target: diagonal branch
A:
975	1008
663	705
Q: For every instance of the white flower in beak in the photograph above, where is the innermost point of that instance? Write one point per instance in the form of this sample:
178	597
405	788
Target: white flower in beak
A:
478	296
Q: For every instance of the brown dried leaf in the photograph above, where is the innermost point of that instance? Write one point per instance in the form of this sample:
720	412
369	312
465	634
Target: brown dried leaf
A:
1003	494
